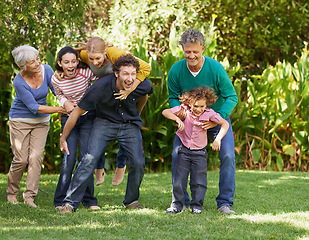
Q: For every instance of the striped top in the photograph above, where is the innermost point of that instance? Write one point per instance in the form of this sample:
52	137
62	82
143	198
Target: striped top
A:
73	89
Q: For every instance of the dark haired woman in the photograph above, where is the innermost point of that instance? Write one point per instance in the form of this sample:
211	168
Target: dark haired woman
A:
69	90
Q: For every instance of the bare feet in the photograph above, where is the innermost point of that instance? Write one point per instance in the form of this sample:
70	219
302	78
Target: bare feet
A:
99	176
118	177
12	199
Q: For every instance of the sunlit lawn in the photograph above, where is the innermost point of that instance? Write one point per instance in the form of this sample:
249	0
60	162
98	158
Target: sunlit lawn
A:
268	205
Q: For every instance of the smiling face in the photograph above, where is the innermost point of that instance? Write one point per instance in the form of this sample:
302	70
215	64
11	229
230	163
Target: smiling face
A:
33	66
197	107
125	78
96	58
69	64
194	54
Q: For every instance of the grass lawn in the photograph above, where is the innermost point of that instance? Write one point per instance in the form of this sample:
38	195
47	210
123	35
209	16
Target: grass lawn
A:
268	205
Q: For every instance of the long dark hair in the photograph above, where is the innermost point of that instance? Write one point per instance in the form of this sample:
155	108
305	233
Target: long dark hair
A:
64	51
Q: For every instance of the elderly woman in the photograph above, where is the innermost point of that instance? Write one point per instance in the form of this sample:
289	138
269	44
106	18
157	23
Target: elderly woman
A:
29	122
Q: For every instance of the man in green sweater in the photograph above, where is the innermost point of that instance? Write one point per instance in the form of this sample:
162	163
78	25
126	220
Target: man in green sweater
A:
195	71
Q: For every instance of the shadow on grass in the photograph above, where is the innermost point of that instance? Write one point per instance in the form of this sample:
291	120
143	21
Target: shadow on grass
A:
268	206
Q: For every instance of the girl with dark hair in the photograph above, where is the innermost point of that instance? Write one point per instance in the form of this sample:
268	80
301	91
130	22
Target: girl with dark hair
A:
76	79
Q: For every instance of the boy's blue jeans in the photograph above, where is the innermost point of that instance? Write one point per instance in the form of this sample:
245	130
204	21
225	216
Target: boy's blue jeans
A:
103	132
80	133
227	166
195	163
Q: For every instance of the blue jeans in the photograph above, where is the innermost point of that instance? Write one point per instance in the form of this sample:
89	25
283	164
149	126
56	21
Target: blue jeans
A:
121	159
81	133
195	163
103	132
227	166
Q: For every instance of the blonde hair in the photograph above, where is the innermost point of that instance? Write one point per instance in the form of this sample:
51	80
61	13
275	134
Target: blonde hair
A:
198	94
95	44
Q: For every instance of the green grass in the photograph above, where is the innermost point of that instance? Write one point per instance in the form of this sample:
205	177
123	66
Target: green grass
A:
268	205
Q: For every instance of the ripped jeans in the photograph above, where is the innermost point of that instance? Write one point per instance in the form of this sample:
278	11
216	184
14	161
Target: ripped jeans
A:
102	133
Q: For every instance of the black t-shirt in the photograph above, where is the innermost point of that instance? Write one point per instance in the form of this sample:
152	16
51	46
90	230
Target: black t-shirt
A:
100	96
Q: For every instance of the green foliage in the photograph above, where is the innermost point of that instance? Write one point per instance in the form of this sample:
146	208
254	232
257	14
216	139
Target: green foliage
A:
271	123
271	119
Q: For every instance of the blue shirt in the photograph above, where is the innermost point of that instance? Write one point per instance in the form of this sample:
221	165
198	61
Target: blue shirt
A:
100	96
28	100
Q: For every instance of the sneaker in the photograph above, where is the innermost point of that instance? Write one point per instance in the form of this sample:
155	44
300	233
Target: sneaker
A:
66	209
31	203
99	176
172	210
12	199
118	177
226	210
134	205
196	211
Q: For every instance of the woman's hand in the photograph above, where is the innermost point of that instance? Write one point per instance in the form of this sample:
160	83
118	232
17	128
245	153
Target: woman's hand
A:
122	94
59	75
69	106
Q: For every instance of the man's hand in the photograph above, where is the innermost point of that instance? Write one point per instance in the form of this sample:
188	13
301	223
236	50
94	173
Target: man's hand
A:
64	145
208	124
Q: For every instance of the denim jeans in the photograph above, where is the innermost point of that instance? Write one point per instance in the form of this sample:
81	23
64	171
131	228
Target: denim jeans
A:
121	159
227	165
195	163
80	133
103	132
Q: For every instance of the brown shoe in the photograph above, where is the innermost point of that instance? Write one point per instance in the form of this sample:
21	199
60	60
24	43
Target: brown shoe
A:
66	209
30	202
12	199
134	205
99	176
118	177
94	208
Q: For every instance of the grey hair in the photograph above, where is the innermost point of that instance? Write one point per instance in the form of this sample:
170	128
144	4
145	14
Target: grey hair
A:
192	36
24	53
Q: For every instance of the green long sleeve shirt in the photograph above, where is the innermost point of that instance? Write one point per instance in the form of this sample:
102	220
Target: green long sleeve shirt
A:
212	75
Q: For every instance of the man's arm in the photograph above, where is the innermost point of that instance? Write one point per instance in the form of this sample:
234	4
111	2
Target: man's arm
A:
69	125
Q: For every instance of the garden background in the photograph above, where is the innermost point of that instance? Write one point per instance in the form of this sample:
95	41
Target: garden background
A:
261	43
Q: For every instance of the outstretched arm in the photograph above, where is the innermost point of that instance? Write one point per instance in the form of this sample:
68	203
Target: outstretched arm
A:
69	125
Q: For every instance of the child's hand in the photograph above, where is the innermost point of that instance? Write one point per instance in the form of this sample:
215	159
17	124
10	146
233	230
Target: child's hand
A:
122	94
181	125
181	114
216	145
